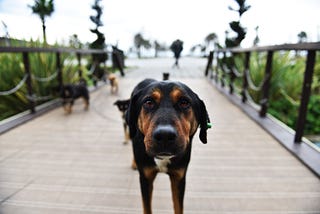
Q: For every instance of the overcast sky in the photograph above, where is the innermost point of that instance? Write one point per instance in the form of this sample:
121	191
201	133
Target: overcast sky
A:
279	21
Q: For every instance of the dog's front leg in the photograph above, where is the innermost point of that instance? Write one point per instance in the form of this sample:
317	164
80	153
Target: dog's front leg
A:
147	176
178	183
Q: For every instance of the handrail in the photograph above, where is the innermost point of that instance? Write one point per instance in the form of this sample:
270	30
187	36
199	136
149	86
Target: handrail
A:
311	49
25	51
50	50
284	47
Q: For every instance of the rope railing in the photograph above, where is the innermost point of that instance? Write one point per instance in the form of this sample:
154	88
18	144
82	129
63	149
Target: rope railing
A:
252	85
236	72
45	79
92	68
57	75
35	98
289	98
230	75
16	88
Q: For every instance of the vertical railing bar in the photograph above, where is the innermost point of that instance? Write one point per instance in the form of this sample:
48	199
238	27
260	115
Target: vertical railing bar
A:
304	100
215	73
119	62
59	69
232	75
26	63
79	65
266	85
223	75
245	76
209	64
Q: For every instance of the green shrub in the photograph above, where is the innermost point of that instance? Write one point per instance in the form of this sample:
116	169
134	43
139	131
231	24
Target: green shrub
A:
285	87
44	79
11	74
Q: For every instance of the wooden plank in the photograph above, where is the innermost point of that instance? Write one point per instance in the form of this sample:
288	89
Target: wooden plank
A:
77	163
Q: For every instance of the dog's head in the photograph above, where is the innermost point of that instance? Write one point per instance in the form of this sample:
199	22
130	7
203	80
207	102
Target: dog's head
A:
112	78
167	114
122	104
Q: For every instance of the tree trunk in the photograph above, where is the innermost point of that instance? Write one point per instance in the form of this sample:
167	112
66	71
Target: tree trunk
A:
44	32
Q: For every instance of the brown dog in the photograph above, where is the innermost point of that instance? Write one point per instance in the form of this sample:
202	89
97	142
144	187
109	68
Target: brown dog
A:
163	117
114	83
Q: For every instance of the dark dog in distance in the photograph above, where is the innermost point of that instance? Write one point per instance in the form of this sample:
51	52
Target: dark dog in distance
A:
122	107
70	92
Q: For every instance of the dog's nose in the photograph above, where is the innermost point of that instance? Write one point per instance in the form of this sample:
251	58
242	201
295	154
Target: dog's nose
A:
164	134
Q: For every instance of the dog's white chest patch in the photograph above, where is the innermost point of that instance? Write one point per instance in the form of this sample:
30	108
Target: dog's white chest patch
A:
162	164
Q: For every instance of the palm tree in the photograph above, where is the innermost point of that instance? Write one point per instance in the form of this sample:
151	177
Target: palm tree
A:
242	7
236	26
140	42
302	37
211	38
43	8
158	47
256	39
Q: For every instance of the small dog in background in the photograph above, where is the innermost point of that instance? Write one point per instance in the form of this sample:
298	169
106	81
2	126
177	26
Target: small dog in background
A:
114	83
165	76
122	107
70	92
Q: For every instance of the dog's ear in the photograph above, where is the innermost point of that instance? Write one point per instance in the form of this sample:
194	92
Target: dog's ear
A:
202	118
131	115
204	121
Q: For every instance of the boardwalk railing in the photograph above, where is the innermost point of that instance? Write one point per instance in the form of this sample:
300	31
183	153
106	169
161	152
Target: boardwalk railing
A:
29	76
226	69
222	70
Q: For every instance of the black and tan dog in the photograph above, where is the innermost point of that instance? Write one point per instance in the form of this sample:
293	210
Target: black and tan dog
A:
163	117
70	92
122	107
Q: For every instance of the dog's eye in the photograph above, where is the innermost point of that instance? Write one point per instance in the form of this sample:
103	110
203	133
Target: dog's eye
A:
149	103
184	103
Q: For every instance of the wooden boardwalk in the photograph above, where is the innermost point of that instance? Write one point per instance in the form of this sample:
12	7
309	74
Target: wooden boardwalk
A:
78	164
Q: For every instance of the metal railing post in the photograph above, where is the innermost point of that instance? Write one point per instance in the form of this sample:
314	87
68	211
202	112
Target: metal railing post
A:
266	85
215	72
209	64
59	70
79	65
245	77
232	75
119	61
223	75
26	64
306	91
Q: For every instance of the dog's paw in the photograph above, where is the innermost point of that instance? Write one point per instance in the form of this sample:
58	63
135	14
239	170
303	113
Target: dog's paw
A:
134	165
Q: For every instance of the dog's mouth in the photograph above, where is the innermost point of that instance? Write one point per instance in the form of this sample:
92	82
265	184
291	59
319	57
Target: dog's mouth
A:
164	155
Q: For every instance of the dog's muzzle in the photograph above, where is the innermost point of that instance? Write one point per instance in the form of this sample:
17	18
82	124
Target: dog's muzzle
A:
164	139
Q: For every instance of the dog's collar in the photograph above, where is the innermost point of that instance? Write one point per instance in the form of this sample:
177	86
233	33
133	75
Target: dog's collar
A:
209	125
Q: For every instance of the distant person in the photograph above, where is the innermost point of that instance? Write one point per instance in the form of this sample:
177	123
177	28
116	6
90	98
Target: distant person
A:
177	47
